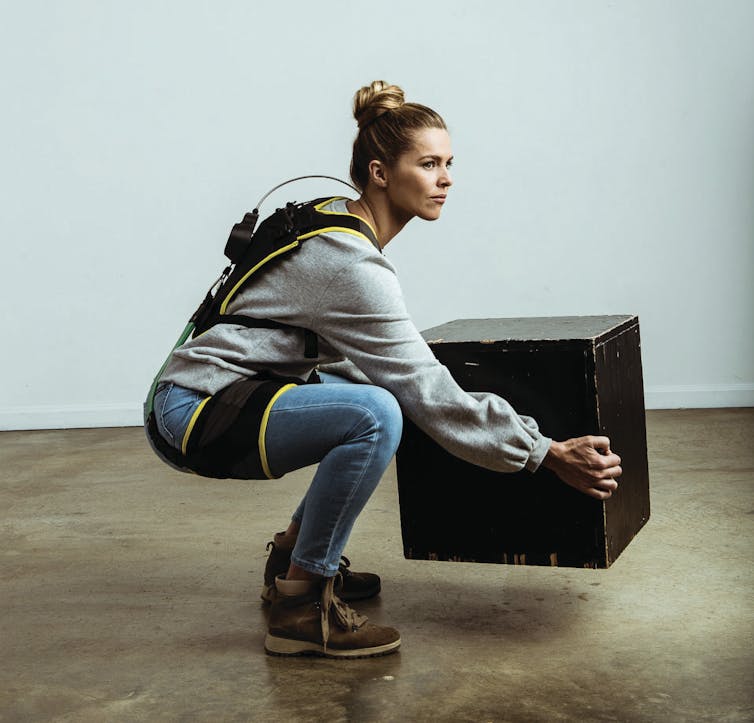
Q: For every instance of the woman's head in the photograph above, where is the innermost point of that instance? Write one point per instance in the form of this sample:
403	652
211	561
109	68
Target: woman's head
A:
387	127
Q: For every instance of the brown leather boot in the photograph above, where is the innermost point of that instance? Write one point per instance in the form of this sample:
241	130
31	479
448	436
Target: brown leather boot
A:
318	622
356	585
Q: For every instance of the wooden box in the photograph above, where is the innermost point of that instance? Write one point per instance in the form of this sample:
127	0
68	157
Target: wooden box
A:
575	376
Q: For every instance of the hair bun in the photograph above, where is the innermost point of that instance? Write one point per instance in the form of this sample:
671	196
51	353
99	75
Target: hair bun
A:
371	101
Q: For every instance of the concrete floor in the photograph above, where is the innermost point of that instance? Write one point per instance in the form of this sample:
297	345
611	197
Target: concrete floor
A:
130	593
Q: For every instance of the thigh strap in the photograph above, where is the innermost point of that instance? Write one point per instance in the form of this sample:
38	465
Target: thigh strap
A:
226	436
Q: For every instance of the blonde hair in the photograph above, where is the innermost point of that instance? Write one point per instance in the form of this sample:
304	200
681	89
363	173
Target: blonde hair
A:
386	127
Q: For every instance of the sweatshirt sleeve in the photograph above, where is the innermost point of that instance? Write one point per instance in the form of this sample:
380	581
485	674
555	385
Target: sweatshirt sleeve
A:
362	314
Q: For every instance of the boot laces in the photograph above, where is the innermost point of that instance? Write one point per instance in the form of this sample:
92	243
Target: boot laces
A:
345	617
345	563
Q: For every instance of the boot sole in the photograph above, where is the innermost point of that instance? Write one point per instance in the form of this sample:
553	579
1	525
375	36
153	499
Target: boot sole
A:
274	645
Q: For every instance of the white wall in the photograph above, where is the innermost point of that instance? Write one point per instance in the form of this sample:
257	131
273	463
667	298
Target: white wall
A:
604	165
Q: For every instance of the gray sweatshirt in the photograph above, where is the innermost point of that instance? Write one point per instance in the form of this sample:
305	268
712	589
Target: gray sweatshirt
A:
342	288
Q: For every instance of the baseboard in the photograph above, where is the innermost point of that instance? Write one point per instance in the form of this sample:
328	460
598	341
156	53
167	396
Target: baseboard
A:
73	416
696	396
70	416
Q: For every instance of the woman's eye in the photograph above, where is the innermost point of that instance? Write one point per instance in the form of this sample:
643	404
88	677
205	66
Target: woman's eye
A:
428	164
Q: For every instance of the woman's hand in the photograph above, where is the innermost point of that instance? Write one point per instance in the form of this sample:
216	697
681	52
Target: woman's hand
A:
585	463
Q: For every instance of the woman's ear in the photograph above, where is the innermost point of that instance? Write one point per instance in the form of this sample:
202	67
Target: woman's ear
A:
378	173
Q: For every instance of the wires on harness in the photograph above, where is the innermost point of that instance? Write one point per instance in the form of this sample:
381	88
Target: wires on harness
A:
241	233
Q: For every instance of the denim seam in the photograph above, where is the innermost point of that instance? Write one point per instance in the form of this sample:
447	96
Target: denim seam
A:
298	407
164	429
357	484
313	568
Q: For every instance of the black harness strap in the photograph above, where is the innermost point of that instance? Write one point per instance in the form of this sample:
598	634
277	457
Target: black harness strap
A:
278	235
311	345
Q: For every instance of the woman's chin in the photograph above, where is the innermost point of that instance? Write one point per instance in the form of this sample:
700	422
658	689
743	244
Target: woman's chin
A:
430	214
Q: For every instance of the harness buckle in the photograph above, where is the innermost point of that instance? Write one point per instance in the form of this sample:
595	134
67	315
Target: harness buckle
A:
240	237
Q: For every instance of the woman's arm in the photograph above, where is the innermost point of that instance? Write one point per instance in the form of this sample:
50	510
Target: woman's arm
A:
362	315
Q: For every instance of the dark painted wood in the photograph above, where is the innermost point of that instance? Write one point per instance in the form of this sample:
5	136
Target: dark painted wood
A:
620	411
575	376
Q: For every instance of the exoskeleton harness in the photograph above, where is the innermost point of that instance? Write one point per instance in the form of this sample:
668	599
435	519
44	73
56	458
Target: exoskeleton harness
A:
217	440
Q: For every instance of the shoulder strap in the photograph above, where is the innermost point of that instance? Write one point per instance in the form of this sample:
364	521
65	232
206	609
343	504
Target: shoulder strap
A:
284	232
279	234
342	221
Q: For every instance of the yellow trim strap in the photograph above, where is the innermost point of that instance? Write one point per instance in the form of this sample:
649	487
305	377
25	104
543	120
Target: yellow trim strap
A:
191	424
282	250
320	206
339	229
263	429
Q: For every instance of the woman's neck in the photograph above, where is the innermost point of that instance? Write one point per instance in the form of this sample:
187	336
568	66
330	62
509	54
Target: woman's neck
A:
376	210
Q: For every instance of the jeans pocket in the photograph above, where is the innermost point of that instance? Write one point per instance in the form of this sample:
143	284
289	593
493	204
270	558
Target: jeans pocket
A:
161	401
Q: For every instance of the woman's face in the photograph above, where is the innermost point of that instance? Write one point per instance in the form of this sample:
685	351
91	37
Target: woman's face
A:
417	184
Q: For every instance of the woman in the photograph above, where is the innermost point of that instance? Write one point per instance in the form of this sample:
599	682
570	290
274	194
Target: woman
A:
342	288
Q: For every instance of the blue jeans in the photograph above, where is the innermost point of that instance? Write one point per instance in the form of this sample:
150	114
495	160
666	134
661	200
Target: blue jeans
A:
351	430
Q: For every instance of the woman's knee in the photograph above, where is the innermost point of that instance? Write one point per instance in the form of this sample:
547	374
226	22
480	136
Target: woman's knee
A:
385	415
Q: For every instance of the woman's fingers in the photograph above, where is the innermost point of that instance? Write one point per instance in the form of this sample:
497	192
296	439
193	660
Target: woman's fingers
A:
607	462
603	489
601	444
